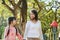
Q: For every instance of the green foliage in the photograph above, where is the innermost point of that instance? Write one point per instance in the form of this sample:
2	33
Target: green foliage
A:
45	16
1	31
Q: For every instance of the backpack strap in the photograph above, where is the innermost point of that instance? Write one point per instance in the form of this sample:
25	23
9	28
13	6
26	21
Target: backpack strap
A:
7	32
16	30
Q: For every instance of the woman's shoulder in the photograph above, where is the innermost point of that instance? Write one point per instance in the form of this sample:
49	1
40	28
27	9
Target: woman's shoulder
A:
39	21
28	21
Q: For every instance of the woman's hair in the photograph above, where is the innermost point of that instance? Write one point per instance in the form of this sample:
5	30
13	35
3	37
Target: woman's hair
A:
35	13
10	19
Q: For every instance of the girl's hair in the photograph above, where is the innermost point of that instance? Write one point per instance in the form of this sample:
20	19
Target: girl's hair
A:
35	13
10	19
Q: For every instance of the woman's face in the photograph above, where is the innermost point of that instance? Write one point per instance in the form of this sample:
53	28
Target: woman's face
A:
32	16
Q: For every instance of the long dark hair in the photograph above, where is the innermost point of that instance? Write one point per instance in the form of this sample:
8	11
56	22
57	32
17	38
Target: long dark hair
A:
35	13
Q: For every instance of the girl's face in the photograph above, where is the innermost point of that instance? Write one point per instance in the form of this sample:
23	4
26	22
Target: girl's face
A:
32	16
14	22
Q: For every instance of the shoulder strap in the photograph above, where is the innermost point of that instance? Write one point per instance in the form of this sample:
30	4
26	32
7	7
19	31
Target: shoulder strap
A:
16	30
8	32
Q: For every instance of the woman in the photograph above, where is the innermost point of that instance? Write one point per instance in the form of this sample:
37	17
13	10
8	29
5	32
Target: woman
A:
33	29
11	31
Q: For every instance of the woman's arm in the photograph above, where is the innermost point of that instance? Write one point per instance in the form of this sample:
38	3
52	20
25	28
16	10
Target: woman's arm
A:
26	30
41	34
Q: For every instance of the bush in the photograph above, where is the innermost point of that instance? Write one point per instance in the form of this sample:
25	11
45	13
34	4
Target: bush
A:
1	31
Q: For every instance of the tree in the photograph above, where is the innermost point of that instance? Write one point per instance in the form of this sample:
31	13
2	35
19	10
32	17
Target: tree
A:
22	6
23	14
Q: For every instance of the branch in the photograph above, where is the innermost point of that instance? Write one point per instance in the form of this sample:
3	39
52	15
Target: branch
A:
39	10
18	4
3	2
38	5
50	9
13	3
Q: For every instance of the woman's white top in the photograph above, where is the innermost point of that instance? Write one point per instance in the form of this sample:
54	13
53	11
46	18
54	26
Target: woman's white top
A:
33	30
59	35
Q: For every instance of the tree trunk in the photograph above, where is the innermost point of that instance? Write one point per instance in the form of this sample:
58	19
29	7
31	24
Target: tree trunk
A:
23	14
14	11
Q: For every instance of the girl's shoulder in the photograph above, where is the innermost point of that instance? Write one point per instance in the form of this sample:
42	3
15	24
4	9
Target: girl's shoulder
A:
7	27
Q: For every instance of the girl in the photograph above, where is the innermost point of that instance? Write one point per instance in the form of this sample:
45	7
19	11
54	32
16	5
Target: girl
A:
33	29
11	31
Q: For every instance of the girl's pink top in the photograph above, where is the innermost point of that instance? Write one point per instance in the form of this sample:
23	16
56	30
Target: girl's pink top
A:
12	34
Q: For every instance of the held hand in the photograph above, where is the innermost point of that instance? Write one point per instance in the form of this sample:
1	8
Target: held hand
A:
19	36
24	39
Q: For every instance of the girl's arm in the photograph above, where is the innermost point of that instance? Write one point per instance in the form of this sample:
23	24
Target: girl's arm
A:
19	36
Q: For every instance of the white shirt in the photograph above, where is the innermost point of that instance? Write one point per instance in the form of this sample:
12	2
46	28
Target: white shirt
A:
59	35
33	30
